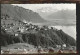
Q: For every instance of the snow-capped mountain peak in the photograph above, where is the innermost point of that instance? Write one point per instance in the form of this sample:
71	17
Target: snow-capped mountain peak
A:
46	9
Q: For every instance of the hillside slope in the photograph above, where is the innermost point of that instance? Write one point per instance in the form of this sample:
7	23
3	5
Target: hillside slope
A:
20	13
44	38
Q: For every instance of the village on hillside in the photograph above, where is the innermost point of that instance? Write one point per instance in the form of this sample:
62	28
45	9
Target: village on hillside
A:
17	28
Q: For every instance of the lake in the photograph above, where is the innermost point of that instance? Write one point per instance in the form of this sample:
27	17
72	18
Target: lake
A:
70	30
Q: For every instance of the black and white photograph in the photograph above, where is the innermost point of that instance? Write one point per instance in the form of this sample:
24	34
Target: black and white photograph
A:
38	28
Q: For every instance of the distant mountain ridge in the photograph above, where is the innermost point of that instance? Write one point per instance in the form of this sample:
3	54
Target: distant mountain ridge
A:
63	14
58	17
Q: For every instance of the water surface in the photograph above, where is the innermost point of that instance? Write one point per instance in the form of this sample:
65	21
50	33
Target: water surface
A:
70	30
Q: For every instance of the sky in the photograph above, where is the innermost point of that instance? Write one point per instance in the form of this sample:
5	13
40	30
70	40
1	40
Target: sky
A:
55	6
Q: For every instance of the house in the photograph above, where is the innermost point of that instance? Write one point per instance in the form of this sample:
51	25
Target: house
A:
5	29
5	52
60	51
22	29
2	52
16	34
58	46
64	45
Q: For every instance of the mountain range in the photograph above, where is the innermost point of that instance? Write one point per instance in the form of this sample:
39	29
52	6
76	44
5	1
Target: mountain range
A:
58	16
43	16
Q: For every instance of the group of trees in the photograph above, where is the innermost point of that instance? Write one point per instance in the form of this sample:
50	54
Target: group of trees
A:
44	38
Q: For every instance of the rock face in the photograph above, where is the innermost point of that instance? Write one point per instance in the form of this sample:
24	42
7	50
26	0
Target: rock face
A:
34	35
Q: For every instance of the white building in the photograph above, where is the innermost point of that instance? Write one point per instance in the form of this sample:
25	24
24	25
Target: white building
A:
64	45
16	34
